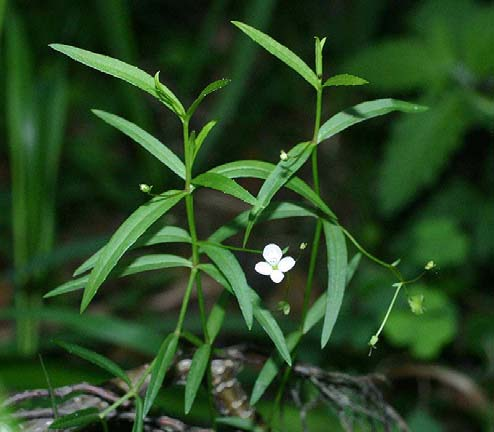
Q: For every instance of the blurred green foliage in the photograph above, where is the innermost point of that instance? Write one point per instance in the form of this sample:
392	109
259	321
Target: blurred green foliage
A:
423	190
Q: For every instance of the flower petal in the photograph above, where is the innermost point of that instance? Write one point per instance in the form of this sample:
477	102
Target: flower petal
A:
272	254
263	268
286	264
277	276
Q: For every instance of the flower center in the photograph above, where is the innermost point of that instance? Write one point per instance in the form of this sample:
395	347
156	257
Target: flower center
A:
275	266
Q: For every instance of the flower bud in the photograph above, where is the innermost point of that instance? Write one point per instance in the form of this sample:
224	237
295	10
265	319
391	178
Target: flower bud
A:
283	155
145	188
430	265
302	246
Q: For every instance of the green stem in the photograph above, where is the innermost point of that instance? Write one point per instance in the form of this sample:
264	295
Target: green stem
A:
195	274
185	302
390	267
390	307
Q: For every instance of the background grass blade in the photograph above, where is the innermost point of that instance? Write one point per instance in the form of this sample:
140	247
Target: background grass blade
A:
196	373
281	52
146	140
337	270
126	236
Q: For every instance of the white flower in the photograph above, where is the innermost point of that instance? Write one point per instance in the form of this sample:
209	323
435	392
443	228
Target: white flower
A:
275	265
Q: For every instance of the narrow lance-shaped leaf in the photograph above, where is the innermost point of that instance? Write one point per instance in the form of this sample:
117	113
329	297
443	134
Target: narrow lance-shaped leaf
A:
262	170
225	185
337	269
344	80
281	52
125	237
297	156
166	96
161	365
271	368
139	265
96	359
214	86
76	419
114	67
217	315
139	418
262	316
275	211
364	111
167	234
202	135
196	373
233	272
146	140
318	309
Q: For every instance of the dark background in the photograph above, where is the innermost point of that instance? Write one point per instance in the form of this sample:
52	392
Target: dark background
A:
416	187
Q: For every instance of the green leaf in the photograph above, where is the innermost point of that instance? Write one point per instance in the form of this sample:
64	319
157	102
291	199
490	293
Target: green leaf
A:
318	309
217	315
202	135
319	45
216	85
97	359
234	273
225	185
125	236
196	373
418	151
263	316
167	234
138	265
337	270
281	52
150	143
297	156
364	111
271	368
166	96
139	418
272	329
160	366
276	210
116	68
262	170
76	419
344	80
